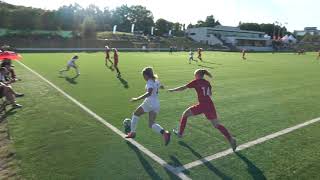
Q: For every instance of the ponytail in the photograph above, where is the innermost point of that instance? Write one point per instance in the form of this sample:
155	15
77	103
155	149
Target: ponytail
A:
203	72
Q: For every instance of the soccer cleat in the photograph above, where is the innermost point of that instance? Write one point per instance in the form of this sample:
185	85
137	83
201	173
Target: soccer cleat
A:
19	95
166	136
233	144
176	132
16	106
131	135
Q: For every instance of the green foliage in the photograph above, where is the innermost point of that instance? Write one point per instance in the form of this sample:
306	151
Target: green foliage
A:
269	29
124	16
209	22
89	27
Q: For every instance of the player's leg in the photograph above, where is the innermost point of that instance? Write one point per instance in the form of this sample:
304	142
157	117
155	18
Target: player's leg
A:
134	121
157	128
117	69
65	69
110	60
215	122
191	111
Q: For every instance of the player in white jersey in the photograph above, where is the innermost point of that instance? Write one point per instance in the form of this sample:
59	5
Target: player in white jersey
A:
150	105
191	56
72	64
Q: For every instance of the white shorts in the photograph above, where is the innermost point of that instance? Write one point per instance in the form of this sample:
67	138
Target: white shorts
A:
150	105
71	65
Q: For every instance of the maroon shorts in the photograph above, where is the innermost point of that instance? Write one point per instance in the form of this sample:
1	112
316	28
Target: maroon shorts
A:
116	62
208	109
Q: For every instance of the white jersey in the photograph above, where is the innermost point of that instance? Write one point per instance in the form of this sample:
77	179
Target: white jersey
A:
152	103
72	62
191	54
155	85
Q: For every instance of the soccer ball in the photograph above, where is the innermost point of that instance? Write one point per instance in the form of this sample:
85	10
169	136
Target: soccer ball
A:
127	125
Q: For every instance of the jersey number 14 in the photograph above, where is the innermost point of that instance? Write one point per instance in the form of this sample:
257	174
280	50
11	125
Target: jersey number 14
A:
206	91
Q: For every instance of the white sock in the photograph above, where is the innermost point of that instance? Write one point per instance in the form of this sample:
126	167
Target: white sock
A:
134	122
157	128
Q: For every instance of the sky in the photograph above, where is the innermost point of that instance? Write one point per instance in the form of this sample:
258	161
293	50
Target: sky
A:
297	14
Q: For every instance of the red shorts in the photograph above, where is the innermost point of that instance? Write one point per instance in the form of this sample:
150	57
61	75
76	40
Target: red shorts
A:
207	109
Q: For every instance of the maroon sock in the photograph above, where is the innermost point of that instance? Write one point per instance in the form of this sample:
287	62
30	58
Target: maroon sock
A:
224	131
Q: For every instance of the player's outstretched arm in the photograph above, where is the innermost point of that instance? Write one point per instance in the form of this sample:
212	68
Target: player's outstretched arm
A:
145	95
181	88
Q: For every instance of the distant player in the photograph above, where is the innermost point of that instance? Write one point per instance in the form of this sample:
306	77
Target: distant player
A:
205	105
72	64
116	61
200	54
318	55
191	56
244	54
107	51
151	105
171	50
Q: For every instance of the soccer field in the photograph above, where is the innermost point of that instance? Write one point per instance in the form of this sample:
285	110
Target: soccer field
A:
55	139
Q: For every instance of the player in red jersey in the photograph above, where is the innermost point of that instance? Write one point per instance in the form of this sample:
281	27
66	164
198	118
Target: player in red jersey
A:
116	61
205	106
244	54
200	54
108	55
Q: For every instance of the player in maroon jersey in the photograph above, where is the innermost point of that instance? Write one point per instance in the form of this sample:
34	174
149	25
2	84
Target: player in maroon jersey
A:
200	54
107	51
205	106
116	61
318	55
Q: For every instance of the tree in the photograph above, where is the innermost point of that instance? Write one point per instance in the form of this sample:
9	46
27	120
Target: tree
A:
250	26
89	27
269	29
163	26
209	22
125	16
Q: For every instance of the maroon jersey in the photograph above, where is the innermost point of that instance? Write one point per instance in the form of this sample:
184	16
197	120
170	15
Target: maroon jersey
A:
107	53
203	89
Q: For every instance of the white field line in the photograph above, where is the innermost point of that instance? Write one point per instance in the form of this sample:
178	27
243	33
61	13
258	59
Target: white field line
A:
146	151
246	145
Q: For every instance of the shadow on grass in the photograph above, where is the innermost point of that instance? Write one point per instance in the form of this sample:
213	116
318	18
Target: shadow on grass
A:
110	67
254	171
124	82
209	67
146	165
8	113
71	80
207	62
206	163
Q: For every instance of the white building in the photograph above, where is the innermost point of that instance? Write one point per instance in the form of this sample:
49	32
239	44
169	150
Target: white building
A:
241	39
309	30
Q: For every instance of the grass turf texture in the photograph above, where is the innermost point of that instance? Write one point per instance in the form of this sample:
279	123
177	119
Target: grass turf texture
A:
54	138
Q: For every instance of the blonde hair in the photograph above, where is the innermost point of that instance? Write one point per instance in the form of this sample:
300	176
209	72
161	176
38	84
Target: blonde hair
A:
148	71
202	72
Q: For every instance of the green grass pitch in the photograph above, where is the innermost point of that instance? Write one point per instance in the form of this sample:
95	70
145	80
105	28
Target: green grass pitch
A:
55	139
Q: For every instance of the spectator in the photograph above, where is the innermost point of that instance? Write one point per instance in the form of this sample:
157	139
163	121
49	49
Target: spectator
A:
10	74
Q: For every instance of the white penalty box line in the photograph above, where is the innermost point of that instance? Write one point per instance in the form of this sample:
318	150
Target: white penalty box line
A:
245	145
146	151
